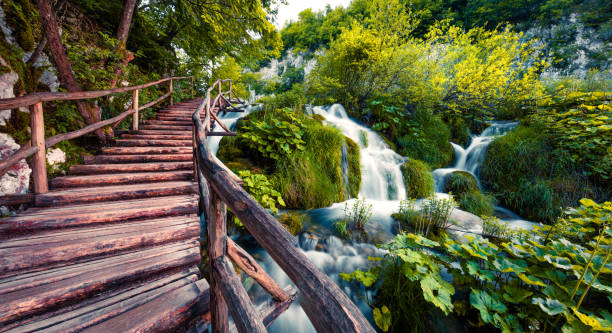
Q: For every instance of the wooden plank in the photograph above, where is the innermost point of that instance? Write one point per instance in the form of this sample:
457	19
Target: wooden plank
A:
248	264
152	143
120	178
92	314
272	309
152	103
328	308
145	150
39	159
16	199
94	279
33	98
164	314
216	226
136	158
246	318
88	169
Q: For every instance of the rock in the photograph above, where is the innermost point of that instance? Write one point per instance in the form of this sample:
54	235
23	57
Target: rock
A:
17	179
56	156
7	81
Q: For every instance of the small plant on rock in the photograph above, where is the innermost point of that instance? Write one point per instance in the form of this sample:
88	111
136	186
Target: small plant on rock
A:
358	215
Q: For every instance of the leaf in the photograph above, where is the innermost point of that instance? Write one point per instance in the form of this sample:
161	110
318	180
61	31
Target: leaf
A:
382	318
486	304
515	294
551	306
587	320
438	292
532	280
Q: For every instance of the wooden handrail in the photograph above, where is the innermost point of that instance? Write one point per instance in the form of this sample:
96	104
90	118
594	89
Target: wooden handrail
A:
33	98
38	144
328	308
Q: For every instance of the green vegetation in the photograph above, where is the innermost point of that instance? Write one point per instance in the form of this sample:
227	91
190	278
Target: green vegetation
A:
308	173
292	222
556	278
261	189
460	182
464	186
555	157
433	215
418	179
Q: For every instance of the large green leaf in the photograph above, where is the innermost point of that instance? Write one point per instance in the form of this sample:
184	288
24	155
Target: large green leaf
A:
551	306
438	292
382	318
515	294
486	304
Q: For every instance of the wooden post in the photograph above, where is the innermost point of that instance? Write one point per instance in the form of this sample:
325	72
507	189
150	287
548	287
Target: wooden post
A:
192	87
220	91
39	160
135	105
216	249
230	92
170	90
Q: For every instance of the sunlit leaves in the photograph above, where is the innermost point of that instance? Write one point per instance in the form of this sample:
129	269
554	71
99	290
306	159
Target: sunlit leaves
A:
486	304
551	306
382	318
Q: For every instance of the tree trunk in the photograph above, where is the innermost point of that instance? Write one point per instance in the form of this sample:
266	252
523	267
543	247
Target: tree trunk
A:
126	21
66	76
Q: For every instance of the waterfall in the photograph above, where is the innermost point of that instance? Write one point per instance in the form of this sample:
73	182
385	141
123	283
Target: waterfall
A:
471	158
381	177
344	168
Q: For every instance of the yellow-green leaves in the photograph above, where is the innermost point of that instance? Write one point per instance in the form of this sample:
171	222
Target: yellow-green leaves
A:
382	317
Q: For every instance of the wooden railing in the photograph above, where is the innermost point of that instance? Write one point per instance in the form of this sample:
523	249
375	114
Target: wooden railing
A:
38	144
328	308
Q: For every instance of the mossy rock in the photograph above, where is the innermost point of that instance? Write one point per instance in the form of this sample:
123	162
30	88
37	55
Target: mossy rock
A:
418	179
460	182
318	117
291	222
354	161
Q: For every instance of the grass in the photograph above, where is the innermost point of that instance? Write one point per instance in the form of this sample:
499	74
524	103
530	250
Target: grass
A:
460	182
354	161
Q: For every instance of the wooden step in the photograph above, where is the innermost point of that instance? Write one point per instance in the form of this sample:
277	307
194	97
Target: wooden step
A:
185	122
150	143
40	219
120	178
146	150
114	193
107	306
164	313
159	132
157	137
166	127
26	294
37	251
131	167
103	159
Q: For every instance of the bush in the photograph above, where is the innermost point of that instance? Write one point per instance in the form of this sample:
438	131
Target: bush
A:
357	215
261	189
427	138
494	228
476	203
418	179
534	201
460	182
291	222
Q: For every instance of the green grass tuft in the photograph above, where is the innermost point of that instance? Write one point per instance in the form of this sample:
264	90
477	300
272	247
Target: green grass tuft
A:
418	179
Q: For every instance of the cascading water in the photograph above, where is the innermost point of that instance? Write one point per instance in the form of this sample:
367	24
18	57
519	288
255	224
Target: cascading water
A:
229	119
381	177
471	158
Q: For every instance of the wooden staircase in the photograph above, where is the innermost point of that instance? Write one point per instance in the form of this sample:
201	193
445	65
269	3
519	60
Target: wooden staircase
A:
114	247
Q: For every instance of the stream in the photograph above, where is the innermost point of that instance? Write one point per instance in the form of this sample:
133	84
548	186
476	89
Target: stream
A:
382	186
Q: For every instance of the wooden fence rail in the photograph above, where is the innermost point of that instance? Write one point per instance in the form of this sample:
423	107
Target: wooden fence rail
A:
328	308
38	144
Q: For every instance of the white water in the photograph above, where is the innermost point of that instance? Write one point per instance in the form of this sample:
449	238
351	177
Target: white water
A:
381	178
471	158
229	119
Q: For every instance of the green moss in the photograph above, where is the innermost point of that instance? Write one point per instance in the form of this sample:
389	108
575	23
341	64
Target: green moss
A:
460	182
428	139
418	179
476	203
354	161
291	222
459	131
21	17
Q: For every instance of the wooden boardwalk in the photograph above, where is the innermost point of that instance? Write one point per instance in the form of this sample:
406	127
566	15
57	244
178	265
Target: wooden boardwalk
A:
114	246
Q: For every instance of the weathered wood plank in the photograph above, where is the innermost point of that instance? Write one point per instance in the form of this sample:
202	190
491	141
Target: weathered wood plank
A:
17	199
87	169
120	178
248	264
272	309
39	160
216	249
246	318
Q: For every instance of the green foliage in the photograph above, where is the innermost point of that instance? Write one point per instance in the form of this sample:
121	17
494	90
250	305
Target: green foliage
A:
433	215
556	279
228	68
460	182
358	214
476	203
341	228
426	137
276	138
382	318
418	179
292	222
23	20
261	189
492	227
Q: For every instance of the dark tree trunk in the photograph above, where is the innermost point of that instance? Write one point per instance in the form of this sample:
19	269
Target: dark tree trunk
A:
66	76
126	21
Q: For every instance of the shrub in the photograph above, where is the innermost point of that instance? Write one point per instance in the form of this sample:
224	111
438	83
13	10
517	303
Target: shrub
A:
418	179
357	215
460	182
534	201
291	222
341	229
408	215
276	138
432	217
476	203
426	138
261	189
493	227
